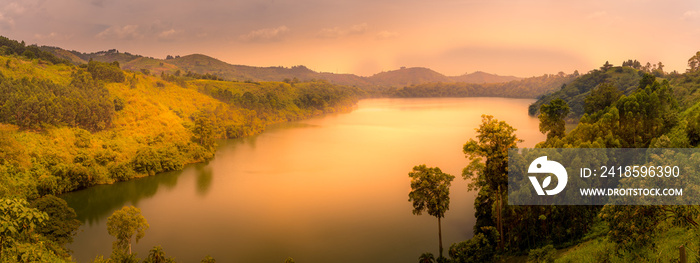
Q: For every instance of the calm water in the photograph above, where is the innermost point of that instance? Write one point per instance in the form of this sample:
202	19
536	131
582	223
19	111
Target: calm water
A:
329	189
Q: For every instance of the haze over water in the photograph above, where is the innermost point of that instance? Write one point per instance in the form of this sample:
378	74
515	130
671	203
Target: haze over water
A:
328	189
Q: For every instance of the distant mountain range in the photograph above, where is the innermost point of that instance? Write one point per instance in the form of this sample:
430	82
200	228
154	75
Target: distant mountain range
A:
203	64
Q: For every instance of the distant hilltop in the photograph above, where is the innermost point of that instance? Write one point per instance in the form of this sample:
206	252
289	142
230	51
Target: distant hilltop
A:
203	64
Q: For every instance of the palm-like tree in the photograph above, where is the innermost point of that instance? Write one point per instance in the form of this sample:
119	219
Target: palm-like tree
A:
426	257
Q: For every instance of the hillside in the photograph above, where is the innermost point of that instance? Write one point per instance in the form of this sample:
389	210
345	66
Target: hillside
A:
202	64
65	127
624	79
407	77
524	88
480	77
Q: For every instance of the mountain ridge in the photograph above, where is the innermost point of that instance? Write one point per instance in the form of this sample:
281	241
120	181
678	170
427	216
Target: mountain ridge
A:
204	64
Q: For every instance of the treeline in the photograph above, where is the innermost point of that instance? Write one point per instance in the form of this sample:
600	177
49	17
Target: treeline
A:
526	88
625	78
13	47
34	103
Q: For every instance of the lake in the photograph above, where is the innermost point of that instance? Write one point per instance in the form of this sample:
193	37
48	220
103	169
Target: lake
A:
327	189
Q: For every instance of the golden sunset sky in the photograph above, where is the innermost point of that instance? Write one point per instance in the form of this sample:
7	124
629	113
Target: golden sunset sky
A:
506	37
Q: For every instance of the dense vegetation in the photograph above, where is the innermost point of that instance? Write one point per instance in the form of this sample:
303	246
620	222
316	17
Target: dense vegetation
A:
525	88
65	127
616	107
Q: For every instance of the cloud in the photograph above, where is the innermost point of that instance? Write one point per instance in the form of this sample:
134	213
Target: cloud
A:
6	22
52	36
265	34
330	33
127	32
167	35
8	14
387	34
596	15
358	29
690	15
337	32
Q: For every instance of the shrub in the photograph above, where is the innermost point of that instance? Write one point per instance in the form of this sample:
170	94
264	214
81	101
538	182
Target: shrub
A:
121	171
542	255
147	161
170	159
108	72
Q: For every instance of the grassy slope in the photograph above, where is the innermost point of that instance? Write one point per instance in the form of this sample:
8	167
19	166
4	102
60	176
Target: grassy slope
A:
157	114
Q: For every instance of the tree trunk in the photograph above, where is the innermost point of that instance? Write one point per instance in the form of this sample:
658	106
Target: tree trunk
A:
129	247
440	234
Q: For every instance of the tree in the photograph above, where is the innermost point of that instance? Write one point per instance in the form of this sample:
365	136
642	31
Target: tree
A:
209	259
552	117
426	257
430	191
490	175
205	130
157	255
604	95
17	220
124	224
62	224
694	62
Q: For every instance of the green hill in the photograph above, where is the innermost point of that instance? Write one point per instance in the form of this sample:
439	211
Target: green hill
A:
480	77
625	79
65	127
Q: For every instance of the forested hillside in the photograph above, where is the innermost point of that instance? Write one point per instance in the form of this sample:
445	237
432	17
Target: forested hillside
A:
615	107
68	127
524	88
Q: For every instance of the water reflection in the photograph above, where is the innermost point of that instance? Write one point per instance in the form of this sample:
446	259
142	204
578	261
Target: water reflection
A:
205	177
329	189
95	203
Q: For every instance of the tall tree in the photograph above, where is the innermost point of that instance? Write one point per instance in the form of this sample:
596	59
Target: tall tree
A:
430	191
552	118
694	62
601	97
124	224
490	176
62	225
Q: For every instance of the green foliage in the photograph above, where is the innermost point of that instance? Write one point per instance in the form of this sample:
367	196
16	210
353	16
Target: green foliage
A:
542	255
209	259
426	257
205	130
157	255
494	138
125	224
603	96
553	118
12	47
480	248
121	171
631	227
525	88
62	224
430	191
119	104
17	222
490	176
107	72
33	103
147	161
694	62
626	79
